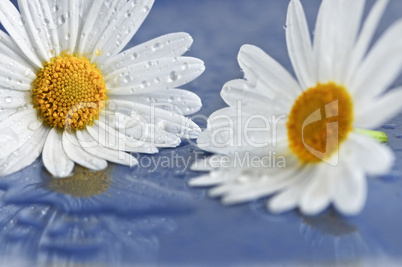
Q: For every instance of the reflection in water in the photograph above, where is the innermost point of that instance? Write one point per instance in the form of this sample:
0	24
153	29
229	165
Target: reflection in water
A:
329	223
128	192
83	182
334	234
43	236
105	218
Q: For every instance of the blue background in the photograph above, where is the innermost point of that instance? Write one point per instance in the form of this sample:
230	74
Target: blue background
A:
151	216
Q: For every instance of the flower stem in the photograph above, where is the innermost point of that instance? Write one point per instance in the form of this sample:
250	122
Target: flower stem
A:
380	136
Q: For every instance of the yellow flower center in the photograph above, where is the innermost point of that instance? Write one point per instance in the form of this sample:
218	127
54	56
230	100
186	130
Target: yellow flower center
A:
69	92
320	119
83	183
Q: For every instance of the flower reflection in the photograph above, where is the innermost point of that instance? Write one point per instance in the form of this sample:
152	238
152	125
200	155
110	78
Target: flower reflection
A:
83	182
340	238
39	235
108	217
129	194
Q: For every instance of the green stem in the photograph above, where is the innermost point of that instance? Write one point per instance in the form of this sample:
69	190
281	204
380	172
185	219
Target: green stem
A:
380	136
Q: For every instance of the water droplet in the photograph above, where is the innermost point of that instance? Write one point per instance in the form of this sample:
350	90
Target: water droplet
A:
227	89
146	9
56	8
62	19
9	99
157	46
34	125
174	76
134	56
128	13
145	84
47	21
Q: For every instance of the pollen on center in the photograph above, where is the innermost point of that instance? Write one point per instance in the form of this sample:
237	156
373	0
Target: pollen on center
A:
69	92
320	119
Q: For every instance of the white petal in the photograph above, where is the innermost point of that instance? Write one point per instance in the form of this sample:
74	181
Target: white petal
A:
259	186
77	154
167	120
5	113
373	157
317	194
138	130
154	75
230	130
289	198
109	137
121	28
350	190
171	100
16	130
299	44
93	26
115	156
252	99
14	99
169	45
66	17
348	19
10	49
262	70
324	37
11	19
32	13
379	110
25	155
364	39
381	66
54	158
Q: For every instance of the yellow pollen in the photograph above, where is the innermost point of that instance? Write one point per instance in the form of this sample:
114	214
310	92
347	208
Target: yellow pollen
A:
320	119
69	92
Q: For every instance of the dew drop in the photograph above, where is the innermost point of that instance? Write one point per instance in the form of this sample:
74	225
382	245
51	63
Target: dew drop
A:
146	9
174	76
134	56
34	125
157	46
47	21
9	99
145	84
62	19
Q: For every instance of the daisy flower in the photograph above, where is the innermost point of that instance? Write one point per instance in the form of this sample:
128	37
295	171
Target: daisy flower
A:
301	140
69	92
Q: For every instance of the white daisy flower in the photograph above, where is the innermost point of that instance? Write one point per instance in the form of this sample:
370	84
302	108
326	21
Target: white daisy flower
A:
299	140
68	92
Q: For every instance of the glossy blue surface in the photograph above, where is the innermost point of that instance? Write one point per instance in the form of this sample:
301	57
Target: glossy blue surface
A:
150	216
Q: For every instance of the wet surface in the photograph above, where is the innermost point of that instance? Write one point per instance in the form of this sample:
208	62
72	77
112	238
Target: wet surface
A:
147	214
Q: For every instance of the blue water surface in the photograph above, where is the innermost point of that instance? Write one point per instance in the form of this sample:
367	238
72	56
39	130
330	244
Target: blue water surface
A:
148	214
